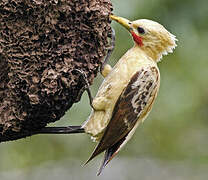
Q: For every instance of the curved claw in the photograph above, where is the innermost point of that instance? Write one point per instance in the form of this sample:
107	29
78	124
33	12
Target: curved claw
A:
110	50
87	85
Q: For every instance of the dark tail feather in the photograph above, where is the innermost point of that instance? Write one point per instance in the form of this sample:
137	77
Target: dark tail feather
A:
94	154
101	147
61	130
107	158
110	153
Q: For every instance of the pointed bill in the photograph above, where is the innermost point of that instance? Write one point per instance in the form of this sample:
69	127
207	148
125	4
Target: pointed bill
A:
123	21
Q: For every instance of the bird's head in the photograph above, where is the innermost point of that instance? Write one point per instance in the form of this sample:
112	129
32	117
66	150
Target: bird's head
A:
150	36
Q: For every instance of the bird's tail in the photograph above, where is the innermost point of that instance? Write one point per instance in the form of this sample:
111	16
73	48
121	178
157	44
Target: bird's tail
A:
110	153
61	130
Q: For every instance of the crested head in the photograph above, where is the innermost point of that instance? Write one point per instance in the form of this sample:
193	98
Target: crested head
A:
153	38
150	36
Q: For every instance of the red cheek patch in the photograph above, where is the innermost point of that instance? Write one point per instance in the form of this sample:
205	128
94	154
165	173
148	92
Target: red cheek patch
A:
137	39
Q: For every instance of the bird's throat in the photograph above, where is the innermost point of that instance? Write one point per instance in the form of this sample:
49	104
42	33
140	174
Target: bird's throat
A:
137	39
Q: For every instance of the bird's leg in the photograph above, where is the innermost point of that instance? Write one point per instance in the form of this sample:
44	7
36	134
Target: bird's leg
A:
105	68
97	103
87	85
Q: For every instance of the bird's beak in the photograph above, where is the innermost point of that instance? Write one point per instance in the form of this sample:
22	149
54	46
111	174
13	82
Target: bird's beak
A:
123	21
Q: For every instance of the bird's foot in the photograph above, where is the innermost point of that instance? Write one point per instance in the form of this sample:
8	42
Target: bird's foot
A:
87	85
110	49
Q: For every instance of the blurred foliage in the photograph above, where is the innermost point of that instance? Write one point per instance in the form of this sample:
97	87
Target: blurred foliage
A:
177	126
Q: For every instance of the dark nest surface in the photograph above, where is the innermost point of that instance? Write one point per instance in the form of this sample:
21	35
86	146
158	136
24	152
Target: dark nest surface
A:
42	43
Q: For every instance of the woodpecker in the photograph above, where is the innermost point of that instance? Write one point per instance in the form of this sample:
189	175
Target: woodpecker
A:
129	89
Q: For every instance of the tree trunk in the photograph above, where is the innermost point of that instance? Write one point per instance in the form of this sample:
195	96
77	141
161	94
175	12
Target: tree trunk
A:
42	43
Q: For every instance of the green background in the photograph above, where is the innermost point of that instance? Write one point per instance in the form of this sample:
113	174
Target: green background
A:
171	144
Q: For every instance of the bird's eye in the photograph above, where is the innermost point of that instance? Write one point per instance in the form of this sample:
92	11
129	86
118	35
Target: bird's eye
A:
140	30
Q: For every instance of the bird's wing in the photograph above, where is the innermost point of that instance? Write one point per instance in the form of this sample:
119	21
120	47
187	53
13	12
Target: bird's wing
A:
131	104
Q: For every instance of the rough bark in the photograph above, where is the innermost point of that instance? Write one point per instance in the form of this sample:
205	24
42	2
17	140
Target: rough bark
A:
42	42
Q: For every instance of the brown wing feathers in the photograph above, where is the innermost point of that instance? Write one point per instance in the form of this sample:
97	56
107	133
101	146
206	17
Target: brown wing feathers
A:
127	110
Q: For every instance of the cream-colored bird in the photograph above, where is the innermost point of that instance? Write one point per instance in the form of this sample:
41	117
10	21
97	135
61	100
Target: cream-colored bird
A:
129	89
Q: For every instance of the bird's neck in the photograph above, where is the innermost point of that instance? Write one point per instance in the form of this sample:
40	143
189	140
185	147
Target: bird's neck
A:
153	54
